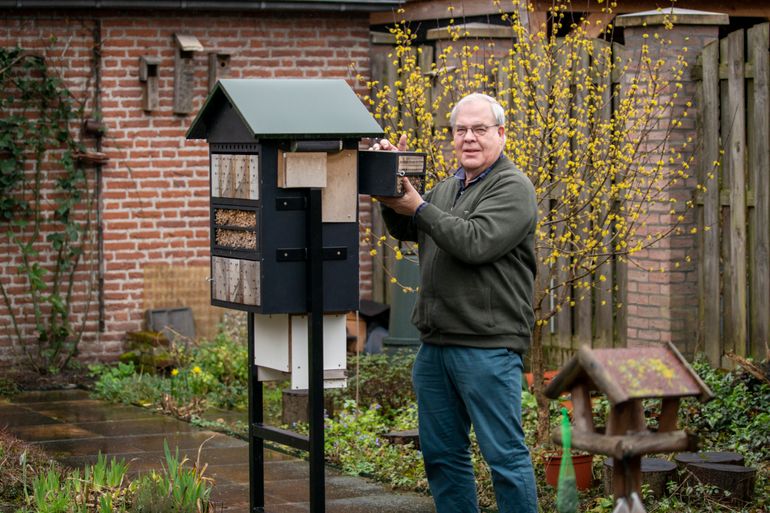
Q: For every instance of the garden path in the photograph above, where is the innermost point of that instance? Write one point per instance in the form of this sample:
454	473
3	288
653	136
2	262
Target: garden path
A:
74	428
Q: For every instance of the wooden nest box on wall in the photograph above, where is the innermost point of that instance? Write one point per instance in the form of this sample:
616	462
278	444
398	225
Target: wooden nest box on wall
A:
627	376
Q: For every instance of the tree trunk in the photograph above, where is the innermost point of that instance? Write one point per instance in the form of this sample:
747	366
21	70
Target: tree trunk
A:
538	370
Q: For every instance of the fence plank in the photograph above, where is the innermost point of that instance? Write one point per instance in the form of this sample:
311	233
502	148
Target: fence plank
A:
563	272
724	211
701	171
759	172
709	153
735	152
583	291
604	305
379	280
620	307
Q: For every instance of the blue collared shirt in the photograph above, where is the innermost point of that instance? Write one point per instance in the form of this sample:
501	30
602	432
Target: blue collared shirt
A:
460	175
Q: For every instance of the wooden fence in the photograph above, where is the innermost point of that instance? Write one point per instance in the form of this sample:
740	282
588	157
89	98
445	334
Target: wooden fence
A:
733	214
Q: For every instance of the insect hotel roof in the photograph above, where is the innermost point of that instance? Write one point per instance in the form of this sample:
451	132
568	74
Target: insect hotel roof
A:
297	109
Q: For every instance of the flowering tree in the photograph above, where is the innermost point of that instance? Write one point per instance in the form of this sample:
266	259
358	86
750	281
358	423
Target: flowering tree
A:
598	150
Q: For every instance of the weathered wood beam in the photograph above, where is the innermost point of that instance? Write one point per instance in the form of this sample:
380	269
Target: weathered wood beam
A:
635	444
732	8
582	410
668	414
437	10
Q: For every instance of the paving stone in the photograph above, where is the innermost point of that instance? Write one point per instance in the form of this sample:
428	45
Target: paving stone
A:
147	426
24	418
54	431
89	447
63	411
48	396
187	441
381	503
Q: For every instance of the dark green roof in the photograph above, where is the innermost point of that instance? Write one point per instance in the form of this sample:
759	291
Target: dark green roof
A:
289	109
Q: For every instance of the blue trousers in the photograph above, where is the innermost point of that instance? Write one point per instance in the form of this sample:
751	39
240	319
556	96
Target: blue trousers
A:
460	386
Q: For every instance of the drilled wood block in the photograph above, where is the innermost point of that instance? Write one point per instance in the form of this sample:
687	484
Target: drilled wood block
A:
235	176
234	280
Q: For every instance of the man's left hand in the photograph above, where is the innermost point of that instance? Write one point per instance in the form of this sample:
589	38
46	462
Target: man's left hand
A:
407	204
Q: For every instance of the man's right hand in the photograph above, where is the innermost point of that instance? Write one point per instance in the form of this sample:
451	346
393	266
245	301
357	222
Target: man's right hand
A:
386	145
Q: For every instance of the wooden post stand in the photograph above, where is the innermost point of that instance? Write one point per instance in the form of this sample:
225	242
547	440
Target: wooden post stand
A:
274	144
258	431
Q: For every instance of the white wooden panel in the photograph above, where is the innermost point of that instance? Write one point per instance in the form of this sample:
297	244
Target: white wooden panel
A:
271	342
335	350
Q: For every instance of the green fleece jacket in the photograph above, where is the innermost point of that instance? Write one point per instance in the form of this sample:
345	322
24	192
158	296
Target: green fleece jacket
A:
477	260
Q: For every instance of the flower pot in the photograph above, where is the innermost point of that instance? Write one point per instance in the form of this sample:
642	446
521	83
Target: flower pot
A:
547	377
583	464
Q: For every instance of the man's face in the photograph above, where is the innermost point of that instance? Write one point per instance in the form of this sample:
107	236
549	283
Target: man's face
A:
477	152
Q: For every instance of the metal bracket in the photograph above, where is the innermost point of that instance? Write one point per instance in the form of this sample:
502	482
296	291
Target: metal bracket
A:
300	254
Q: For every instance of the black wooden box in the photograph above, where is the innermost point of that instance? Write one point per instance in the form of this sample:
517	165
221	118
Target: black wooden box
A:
380	172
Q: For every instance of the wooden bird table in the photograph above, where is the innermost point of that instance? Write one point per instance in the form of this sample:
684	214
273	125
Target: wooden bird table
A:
627	376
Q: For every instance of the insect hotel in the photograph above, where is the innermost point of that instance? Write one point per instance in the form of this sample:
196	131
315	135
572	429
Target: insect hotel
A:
627	376
284	239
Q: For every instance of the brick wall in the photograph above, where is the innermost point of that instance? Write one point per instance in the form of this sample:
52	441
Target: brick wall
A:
662	301
155	185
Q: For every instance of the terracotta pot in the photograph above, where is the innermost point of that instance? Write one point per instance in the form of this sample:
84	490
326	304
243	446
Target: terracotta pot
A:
583	464
547	377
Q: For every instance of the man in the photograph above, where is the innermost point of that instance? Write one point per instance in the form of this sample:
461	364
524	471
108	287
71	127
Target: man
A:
474	311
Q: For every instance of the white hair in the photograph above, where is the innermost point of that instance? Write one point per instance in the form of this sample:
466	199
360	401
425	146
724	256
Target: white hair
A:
497	110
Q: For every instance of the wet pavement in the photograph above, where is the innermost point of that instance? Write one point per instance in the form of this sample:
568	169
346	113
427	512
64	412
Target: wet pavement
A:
74	429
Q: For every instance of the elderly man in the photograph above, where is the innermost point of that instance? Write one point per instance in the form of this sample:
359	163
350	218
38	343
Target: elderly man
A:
474	311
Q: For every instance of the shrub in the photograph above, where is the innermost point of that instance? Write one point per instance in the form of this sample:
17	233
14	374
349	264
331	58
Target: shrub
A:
354	441
121	384
213	373
737	419
381	379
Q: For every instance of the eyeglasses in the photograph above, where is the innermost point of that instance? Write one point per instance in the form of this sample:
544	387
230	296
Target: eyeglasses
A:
479	131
